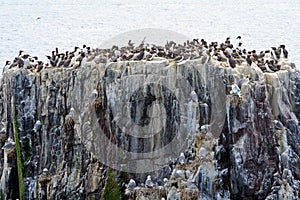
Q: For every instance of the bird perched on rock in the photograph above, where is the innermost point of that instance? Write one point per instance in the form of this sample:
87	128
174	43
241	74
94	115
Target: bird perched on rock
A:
131	184
284	51
165	180
235	90
149	182
6	66
181	159
45	171
194	96
278	125
3	130
9	144
69	122
37	126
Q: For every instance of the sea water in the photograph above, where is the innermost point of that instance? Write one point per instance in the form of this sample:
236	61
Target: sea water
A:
37	27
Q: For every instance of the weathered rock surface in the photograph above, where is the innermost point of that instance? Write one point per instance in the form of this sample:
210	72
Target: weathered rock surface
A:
243	143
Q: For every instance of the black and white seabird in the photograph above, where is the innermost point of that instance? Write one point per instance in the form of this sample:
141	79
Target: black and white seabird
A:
6	66
284	51
20	53
231	61
275	52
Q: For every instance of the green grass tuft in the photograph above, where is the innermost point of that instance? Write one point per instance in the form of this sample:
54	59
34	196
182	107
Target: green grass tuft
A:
112	190
19	159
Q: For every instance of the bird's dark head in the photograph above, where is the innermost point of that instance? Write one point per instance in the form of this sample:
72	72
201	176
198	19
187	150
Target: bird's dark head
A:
25	56
282	46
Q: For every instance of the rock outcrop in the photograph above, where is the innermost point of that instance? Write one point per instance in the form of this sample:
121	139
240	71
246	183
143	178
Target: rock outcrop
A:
241	128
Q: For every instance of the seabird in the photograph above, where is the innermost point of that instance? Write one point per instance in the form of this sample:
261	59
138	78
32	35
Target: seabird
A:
275	52
39	66
278	125
67	61
165	180
239	47
194	96
181	159
69	121
37	126
7	64
149	182
3	130
131	184
84	49
231	61
51	61
255	56
138	55
248	60
25	60
20	53
45	171
203	129
284	51
228	49
9	144
130	44
61	60
235	90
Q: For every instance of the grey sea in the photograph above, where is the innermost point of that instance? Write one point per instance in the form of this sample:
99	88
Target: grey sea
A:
37	27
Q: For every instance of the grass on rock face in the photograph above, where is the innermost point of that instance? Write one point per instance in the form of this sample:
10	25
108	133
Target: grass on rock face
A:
19	156
112	190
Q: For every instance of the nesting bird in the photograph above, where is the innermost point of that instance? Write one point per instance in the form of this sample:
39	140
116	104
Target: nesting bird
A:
131	184
226	53
69	120
37	126
9	145
149	182
181	158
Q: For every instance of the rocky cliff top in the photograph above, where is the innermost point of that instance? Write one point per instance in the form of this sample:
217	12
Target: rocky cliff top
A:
204	120
229	53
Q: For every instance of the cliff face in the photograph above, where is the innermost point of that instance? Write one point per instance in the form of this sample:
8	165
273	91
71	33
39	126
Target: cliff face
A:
239	129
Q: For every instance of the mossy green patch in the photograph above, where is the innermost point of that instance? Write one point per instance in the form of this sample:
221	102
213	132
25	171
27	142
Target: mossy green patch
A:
112	190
